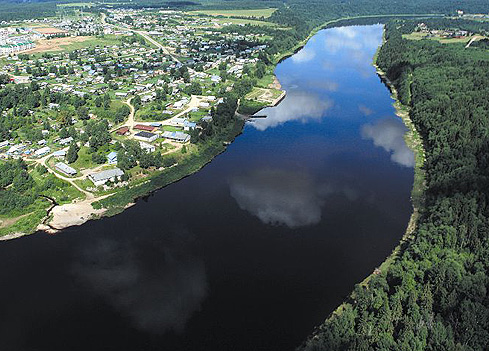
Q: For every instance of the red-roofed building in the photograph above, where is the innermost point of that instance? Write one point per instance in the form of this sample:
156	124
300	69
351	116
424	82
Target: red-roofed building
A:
144	127
122	130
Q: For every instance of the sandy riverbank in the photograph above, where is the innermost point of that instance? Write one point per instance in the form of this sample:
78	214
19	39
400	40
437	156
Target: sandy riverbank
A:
76	213
73	214
11	236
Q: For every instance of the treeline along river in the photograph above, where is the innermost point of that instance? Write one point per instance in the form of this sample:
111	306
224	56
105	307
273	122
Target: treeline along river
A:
252	252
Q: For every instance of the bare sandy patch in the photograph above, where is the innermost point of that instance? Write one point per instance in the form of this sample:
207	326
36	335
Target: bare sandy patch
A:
76	213
276	84
49	30
11	236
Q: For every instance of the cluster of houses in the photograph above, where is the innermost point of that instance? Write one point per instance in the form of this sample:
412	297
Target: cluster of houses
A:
194	37
207	47
148	133
445	33
97	178
132	69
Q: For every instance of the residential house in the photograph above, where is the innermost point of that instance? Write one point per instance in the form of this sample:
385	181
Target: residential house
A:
101	178
112	158
66	141
144	127
122	131
63	167
147	147
59	154
42	151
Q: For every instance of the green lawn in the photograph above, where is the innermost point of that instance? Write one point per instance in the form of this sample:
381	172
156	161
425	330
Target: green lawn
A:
84	160
171	128
28	223
62	191
266	80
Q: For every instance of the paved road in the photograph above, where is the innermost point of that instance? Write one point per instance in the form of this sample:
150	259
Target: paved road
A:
144	35
158	45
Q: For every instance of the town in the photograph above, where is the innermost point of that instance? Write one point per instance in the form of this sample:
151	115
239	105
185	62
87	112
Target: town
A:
107	100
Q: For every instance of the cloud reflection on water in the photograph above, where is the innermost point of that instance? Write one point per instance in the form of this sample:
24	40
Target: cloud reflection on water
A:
357	43
158	287
297	106
284	197
304	55
365	110
389	134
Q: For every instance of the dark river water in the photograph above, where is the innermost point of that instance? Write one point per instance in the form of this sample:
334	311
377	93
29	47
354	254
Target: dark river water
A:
252	252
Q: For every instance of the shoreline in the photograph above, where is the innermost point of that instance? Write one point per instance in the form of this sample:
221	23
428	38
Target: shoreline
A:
73	214
59	217
414	142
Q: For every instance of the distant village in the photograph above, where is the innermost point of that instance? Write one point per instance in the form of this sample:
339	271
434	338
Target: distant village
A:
164	71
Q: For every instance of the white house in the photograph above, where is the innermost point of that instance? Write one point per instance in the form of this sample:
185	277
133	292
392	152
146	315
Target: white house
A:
177	121
112	158
147	147
42	151
146	136
66	141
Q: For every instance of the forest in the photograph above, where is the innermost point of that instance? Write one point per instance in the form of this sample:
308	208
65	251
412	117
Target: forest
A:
12	10
434	295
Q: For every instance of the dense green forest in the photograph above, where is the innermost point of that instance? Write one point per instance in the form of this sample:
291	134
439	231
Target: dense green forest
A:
13	10
434	296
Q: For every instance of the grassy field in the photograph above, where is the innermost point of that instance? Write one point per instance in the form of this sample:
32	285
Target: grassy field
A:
26	223
264	94
171	129
420	36
240	13
84	160
266	80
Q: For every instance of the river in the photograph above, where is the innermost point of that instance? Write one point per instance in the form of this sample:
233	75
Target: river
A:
250	253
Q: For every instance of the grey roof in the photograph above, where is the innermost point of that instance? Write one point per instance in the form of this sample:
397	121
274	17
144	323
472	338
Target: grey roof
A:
66	140
105	175
63	167
59	153
176	136
112	155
